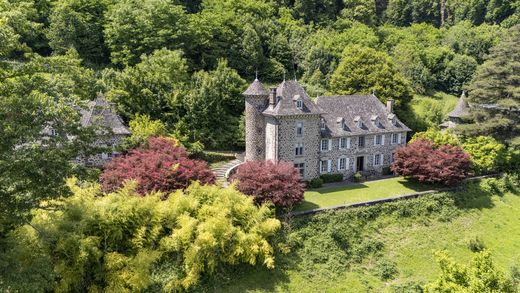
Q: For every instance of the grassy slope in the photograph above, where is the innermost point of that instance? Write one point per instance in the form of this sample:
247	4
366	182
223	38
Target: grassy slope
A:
357	192
408	242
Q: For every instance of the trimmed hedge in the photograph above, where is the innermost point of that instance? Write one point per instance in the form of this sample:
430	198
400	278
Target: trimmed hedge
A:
316	183
335	177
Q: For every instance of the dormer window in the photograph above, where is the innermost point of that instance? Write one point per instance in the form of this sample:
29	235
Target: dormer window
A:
358	121
299	101
375	119
342	123
322	124
392	119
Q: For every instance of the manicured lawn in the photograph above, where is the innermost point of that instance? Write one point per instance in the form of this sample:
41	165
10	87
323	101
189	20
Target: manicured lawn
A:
316	264
358	192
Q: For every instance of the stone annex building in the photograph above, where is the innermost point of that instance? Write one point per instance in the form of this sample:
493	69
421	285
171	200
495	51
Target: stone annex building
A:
334	134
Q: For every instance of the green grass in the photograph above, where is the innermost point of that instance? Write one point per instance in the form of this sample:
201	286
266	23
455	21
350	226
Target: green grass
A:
328	250
359	192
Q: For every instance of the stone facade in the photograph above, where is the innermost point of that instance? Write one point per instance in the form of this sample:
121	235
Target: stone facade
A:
286	125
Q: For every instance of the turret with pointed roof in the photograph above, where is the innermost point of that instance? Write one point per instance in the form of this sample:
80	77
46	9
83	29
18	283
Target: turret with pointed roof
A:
256	98
461	109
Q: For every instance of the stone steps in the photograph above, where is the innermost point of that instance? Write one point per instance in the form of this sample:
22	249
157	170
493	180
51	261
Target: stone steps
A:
220	172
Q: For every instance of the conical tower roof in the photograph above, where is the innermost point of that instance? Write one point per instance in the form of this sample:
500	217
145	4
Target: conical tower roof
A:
256	88
461	109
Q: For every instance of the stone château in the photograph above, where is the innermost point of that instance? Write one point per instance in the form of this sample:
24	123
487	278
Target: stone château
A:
334	134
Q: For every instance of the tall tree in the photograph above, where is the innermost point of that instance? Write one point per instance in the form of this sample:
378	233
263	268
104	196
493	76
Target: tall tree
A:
36	97
154	87
365	70
79	24
497	82
136	27
214	106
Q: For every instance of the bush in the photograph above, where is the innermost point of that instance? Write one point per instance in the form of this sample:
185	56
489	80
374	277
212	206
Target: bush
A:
484	152
476	244
357	177
316	183
121	242
438	138
267	181
386	269
328	178
387	171
162	165
447	164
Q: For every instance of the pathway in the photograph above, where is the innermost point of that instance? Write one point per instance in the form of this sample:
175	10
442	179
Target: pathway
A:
220	172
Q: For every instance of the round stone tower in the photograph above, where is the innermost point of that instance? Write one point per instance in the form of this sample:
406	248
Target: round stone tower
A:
256	97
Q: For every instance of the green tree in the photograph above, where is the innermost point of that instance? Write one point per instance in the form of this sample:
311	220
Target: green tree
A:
438	138
79	24
122	241
485	153
214	106
142	128
137	27
480	275
35	97
8	38
458	73
364	70
154	87
497	81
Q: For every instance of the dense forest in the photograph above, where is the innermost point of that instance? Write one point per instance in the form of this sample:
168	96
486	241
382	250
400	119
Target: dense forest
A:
183	64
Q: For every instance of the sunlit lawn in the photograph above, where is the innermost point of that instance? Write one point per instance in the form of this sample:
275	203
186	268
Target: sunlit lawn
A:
359	192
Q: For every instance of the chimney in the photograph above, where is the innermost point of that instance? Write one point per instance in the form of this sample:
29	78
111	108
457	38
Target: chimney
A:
272	97
390	105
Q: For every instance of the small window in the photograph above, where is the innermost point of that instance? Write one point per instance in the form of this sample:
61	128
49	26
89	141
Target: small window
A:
299	149
361	142
342	164
300	167
299	104
322	124
299	129
394	138
324	145
379	139
54	132
324	166
343	143
392	157
377	160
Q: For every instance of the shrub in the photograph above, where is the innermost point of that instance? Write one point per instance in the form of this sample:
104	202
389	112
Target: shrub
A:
162	165
447	164
484	152
328	178
387	171
267	181
386	269
476	244
357	177
316	183
438	138
120	242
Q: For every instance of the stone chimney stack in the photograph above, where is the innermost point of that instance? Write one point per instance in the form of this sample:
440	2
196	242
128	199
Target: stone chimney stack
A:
390	105
272	97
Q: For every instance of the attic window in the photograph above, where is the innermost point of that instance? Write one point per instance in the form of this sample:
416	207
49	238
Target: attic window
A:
375	119
391	118
342	123
358	121
299	101
322	124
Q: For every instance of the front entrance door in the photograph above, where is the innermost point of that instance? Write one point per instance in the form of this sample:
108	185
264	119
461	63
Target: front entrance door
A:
360	163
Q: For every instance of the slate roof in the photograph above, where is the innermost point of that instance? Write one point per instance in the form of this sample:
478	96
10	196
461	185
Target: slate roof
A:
367	108
101	113
256	88
286	105
461	109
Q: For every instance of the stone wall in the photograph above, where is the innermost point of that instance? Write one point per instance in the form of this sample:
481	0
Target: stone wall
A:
368	152
255	128
98	160
310	138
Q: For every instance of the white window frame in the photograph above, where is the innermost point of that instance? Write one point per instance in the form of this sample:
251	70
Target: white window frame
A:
364	142
376	138
299	147
299	127
322	124
394	138
326	141
299	103
324	169
380	163
342	142
345	166
300	167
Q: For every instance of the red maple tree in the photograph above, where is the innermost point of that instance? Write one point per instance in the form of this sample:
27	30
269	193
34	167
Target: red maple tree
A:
279	183
162	165
420	159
